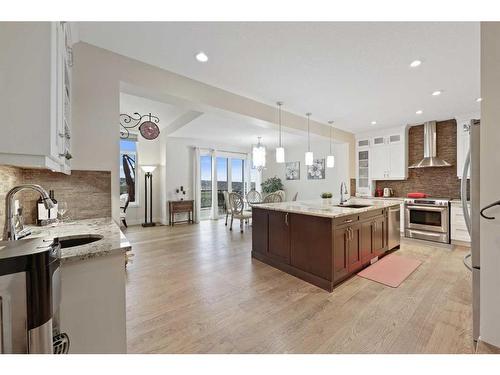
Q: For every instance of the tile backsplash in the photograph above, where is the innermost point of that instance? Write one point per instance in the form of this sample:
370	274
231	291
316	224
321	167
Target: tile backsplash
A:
87	193
436	182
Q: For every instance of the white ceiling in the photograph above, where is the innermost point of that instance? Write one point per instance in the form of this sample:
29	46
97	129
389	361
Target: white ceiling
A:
212	127
234	131
353	73
167	113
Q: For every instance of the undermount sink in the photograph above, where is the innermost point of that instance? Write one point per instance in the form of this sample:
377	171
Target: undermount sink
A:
79	240
353	205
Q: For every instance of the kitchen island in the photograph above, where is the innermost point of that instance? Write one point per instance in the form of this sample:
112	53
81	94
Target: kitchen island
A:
93	305
319	241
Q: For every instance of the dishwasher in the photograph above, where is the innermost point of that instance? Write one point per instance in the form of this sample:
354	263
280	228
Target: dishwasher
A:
394	227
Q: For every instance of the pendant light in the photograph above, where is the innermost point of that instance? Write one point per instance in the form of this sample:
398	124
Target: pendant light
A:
259	156
330	159
309	154
280	151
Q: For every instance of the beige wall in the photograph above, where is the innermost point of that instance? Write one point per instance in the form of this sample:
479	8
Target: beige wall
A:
490	182
311	189
98	76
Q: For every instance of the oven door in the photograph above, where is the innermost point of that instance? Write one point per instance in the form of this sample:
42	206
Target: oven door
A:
427	218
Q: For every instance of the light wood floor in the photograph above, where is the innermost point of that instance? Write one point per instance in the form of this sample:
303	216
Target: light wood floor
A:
195	289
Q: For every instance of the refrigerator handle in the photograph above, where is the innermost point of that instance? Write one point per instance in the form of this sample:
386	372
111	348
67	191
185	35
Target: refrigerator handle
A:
463	194
497	203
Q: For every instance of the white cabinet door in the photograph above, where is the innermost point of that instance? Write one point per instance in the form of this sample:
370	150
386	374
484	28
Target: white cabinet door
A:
379	164
396	157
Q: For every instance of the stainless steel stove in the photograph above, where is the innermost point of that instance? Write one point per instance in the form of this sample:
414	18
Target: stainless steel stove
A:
427	219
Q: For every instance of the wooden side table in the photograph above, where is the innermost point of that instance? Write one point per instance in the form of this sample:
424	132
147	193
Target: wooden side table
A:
176	207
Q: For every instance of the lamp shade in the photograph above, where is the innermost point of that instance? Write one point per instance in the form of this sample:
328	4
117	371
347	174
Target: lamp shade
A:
280	155
309	158
259	156
148	168
330	161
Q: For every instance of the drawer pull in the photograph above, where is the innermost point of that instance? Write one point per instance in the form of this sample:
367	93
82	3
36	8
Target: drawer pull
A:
348	221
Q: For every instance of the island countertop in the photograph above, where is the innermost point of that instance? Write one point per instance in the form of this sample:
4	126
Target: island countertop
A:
113	241
327	208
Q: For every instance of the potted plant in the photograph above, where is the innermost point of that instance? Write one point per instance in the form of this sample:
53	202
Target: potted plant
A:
327	197
271	185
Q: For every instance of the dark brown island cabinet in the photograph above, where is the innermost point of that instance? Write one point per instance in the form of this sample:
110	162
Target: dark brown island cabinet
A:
320	250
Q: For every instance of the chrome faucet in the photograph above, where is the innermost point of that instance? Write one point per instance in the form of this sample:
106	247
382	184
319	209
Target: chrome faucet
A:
343	190
10	231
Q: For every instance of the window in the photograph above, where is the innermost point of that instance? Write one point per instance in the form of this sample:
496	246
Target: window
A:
237	176
206	181
128	168
222	179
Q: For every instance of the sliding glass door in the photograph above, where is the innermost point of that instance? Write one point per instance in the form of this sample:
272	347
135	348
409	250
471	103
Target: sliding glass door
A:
230	174
206	186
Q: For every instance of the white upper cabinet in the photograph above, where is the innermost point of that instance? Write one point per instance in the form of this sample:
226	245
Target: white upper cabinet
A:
35	100
388	156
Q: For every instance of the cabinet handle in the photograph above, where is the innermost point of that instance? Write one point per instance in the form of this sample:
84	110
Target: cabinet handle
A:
348	221
286	219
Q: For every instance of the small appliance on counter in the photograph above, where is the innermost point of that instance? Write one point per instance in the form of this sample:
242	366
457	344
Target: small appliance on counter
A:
388	192
30	297
379	192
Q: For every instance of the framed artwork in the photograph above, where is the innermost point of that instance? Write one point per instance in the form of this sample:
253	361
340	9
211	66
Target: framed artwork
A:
292	170
317	170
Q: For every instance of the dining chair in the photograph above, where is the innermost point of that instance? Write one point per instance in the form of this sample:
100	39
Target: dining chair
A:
237	210
281	193
226	203
124	201
273	198
253	196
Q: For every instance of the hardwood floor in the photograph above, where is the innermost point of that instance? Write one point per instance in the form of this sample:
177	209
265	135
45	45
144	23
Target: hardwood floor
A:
195	289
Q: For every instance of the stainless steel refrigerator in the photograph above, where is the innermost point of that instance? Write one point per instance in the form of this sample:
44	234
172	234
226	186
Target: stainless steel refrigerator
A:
472	217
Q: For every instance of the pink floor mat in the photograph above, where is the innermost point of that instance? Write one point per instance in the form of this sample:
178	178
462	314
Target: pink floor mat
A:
391	270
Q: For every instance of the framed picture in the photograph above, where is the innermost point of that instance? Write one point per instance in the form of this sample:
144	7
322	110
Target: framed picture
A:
292	170
317	170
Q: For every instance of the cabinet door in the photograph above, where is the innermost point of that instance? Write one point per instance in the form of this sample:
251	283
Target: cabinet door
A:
279	236
378	163
311	244
354	254
366	241
396	161
259	231
379	237
340	253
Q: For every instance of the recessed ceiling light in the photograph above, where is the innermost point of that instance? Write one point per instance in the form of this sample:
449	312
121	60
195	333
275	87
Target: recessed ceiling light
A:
415	63
201	56
437	93
479	100
374	122
419	112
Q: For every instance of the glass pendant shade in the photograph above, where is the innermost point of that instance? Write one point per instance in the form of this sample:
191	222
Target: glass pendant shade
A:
259	156
280	155
330	161
309	155
309	158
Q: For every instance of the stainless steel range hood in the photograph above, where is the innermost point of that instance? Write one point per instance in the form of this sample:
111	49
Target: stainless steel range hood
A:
430	159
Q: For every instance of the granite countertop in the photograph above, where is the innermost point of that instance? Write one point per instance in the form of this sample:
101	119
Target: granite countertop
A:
383	198
325	208
113	241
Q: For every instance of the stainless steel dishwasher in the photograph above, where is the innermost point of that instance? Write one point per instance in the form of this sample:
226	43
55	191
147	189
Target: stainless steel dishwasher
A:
394	224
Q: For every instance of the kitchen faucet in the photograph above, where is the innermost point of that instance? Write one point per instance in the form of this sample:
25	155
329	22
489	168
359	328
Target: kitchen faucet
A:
10	232
343	190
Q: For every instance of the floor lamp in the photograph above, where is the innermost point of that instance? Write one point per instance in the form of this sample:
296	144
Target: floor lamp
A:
148	180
